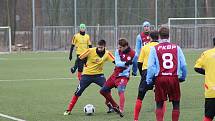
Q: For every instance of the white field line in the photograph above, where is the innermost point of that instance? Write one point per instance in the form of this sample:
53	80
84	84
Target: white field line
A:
10	117
190	75
35	79
54	57
39	58
11	80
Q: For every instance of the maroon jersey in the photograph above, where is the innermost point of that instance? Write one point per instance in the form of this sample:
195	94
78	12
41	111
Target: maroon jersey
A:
125	56
145	38
168	58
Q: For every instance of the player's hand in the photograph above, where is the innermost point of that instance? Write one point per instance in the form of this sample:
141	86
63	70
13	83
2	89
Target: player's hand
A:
128	63
181	80
72	70
134	74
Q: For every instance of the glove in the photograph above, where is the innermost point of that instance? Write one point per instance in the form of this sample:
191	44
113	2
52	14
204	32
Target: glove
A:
72	70
128	63
134	74
181	80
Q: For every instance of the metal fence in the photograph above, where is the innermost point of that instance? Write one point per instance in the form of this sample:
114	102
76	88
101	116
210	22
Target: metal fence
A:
55	38
190	36
58	38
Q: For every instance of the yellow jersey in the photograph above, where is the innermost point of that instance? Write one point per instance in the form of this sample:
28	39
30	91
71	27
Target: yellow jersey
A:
81	42
144	54
95	64
207	62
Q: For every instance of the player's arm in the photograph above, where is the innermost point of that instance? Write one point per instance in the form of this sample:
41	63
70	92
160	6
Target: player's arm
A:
140	60
118	61
183	65
199	65
134	69
110	57
89	43
84	54
153	66
137	52
138	45
72	47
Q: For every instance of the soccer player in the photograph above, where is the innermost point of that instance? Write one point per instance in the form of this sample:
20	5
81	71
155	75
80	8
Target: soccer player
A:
141	40
93	71
143	61
205	65
123	59
167	63
81	41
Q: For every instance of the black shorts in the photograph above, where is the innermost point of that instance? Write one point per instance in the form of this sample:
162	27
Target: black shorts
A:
210	107
143	87
81	63
143	84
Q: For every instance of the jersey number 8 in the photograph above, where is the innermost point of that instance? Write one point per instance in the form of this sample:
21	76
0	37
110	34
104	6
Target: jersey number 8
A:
167	60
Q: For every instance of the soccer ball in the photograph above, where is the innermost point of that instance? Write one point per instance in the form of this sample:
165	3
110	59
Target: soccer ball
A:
89	109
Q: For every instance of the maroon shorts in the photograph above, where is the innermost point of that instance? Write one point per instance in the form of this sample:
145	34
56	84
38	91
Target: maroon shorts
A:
167	86
114	81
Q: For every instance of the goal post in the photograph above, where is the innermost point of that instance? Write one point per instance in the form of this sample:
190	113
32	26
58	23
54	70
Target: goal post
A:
192	33
5	39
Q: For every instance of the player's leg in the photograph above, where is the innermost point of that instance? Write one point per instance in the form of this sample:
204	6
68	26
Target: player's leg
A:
159	111
174	94
176	110
161	87
74	68
106	89
209	109
121	83
141	94
84	83
100	80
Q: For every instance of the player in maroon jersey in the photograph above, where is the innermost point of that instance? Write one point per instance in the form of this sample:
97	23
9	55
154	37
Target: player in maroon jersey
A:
123	59
141	40
167	63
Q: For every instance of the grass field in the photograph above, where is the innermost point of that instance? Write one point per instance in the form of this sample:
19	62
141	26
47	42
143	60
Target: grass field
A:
38	87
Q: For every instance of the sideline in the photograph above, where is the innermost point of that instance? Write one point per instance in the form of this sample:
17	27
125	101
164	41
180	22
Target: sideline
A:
10	117
11	80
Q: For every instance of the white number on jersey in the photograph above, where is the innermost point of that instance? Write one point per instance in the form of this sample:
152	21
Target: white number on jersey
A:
167	60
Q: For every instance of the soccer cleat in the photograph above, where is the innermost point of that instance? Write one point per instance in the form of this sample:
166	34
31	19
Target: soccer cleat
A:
67	112
116	109
111	110
134	74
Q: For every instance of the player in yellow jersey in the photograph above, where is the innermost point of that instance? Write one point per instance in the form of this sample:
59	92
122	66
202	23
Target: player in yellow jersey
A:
206	65
81	42
93	71
142	62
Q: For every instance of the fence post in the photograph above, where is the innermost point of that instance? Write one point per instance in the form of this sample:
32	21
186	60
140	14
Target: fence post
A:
116	24
33	25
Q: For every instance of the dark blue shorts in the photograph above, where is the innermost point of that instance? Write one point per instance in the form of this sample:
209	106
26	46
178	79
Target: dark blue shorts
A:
210	107
86	80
